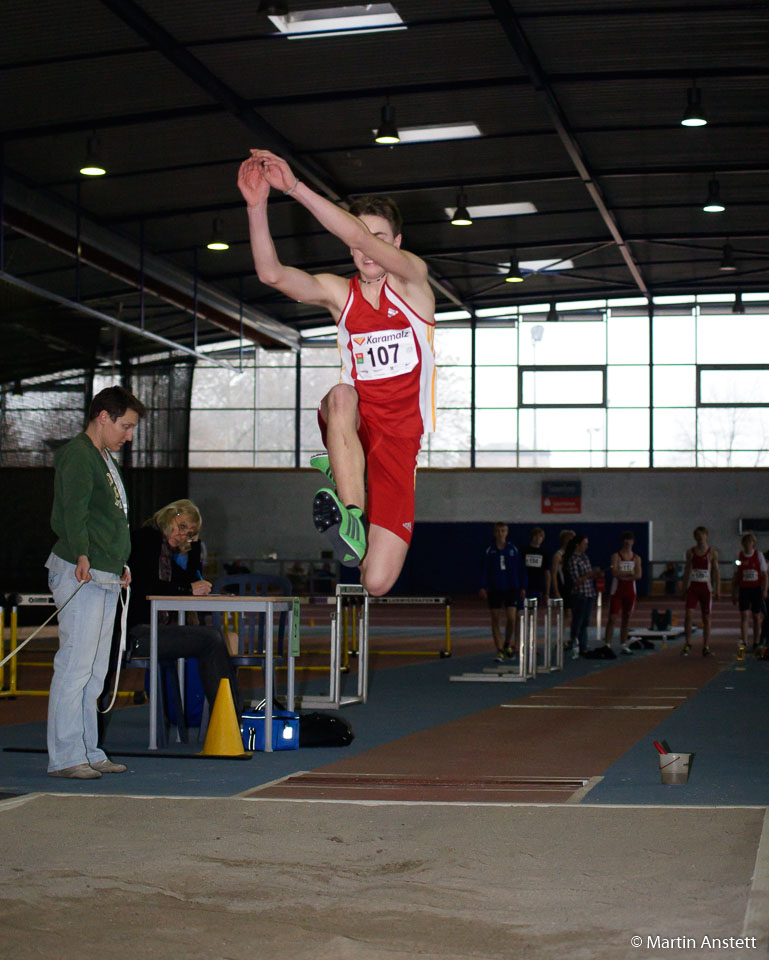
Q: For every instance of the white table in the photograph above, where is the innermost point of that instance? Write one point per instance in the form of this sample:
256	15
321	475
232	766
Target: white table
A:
220	603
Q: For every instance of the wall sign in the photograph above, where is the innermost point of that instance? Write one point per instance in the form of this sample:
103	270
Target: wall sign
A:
561	496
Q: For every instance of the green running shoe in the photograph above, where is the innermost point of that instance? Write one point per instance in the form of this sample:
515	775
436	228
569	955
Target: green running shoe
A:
343	526
320	461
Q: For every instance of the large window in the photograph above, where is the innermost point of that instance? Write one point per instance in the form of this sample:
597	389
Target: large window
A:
607	385
244	416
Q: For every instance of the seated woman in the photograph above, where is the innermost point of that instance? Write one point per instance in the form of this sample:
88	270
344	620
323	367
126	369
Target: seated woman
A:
155	570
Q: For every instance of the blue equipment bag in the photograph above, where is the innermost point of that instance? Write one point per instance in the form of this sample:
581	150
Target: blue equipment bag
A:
285	729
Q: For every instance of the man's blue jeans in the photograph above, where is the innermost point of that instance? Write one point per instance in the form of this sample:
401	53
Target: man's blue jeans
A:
581	608
81	663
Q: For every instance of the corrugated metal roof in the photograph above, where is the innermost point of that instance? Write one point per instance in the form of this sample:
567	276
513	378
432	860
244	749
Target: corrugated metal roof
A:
176	102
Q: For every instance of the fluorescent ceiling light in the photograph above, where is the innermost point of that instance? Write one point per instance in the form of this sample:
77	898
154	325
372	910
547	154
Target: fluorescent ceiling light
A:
224	346
497	312
538	266
330	21
627	302
453	315
439	131
496	210
330	330
582	305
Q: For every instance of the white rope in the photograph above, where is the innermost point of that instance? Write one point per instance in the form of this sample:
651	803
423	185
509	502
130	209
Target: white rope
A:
121	652
33	635
123	630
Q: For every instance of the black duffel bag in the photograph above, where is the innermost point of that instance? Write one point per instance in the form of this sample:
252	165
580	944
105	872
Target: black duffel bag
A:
321	729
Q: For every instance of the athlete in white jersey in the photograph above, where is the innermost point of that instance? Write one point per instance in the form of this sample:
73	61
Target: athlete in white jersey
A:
386	276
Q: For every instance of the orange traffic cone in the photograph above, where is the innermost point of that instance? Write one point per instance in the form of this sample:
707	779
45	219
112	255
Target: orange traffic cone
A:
223	738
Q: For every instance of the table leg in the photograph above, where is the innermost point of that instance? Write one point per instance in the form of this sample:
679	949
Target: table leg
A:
288	653
153	744
268	678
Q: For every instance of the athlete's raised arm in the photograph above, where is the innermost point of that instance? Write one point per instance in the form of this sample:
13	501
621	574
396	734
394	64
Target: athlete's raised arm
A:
324	290
349	229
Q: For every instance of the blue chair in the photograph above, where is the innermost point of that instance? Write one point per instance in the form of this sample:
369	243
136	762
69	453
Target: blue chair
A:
251	625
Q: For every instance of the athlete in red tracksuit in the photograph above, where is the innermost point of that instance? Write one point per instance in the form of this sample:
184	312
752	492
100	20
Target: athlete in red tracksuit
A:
625	570
701	578
374	419
749	587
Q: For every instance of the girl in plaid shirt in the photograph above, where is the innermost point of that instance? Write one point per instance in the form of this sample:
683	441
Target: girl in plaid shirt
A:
583	593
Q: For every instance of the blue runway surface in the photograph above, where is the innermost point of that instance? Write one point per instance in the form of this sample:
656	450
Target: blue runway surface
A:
723	724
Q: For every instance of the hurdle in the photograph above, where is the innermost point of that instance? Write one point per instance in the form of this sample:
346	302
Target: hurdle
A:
527	667
12	690
338	662
21	600
402	601
553	619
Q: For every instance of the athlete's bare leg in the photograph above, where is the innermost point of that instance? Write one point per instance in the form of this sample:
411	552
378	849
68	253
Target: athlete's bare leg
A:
339	408
496	633
624	629
757	620
706	630
744	627
384	560
688	625
609	630
512	616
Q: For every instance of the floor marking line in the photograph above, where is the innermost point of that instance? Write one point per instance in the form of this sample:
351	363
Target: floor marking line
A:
757	911
10	803
488	803
576	706
579	795
609	696
269	783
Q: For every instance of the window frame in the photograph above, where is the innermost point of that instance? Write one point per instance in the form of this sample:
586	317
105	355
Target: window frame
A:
745	367
561	368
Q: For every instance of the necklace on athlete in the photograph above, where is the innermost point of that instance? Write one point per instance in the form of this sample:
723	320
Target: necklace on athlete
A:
375	280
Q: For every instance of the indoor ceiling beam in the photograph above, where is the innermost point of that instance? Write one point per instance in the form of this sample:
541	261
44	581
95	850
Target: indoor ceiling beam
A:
81	308
531	65
142	24
394	90
262	329
177	53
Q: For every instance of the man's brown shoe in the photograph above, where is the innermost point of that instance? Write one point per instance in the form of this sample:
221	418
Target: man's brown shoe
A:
107	766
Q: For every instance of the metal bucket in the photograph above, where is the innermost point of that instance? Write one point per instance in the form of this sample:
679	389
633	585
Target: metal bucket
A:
674	767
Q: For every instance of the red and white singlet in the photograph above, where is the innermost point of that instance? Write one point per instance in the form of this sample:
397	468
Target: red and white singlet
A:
700	590
624	586
749	570
700	571
623	593
388	355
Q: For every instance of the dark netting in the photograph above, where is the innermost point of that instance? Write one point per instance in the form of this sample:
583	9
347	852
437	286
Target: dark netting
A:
163	437
39	416
36	418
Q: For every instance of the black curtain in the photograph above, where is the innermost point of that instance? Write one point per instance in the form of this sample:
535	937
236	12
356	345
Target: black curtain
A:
37	418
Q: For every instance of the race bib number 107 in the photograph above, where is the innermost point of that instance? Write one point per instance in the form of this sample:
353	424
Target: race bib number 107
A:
384	353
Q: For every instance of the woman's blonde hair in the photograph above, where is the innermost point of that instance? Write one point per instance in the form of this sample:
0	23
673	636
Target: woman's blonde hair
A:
165	516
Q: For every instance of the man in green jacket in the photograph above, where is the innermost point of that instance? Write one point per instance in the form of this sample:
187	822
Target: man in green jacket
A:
90	519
